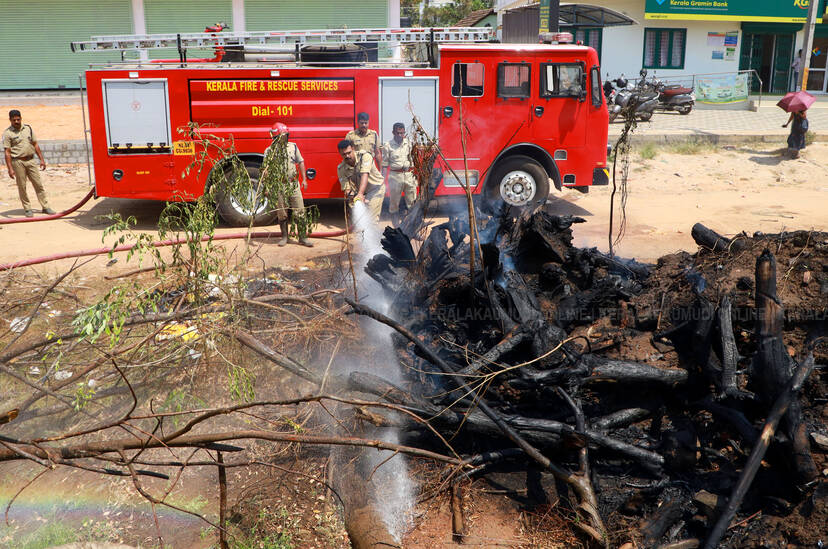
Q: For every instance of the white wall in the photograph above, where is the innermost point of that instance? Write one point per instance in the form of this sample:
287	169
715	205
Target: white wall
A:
623	47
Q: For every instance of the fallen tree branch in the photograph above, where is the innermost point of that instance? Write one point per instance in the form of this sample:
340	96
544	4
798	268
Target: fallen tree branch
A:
581	485
780	407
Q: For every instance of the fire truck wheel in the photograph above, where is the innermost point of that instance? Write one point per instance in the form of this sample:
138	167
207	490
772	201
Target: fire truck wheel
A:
234	213
519	182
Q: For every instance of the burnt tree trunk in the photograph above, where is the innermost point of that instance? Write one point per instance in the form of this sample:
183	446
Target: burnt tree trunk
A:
714	241
773	366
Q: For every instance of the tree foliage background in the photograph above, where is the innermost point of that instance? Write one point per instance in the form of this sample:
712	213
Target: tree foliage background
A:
448	14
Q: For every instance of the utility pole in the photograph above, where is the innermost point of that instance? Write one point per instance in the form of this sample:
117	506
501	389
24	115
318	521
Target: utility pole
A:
808	43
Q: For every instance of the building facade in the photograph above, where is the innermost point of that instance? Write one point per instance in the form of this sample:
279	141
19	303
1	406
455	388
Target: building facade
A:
705	37
36	34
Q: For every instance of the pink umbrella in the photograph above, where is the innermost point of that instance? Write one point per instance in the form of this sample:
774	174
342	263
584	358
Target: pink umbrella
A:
796	101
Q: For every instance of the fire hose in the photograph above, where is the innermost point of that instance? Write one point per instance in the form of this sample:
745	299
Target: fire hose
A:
52	216
158	244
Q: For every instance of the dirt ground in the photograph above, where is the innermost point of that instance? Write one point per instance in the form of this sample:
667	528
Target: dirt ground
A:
737	188
730	189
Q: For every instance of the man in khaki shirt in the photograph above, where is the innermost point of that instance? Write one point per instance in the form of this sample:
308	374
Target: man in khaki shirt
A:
365	139
396	160
295	202
360	178
20	148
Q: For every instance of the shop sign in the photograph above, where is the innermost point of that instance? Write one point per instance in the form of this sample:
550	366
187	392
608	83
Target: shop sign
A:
771	11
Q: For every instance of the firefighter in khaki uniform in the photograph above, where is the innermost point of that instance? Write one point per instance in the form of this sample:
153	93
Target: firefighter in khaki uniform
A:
360	179
21	146
365	139
396	161
297	205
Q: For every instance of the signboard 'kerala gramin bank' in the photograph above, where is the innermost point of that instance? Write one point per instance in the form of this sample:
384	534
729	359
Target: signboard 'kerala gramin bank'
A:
771	11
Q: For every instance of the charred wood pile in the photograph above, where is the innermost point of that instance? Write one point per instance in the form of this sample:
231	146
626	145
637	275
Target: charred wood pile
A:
681	404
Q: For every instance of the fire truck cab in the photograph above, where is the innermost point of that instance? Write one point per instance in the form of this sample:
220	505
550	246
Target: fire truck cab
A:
509	119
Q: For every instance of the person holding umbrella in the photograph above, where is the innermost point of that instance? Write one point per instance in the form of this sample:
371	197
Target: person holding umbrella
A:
797	104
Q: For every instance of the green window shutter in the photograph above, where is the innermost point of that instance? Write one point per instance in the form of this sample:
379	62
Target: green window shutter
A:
771	28
589	36
36	54
314	14
163	16
664	48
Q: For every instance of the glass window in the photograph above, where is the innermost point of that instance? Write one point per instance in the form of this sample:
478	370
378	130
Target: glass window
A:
664	48
595	87
589	37
513	80
562	80
467	80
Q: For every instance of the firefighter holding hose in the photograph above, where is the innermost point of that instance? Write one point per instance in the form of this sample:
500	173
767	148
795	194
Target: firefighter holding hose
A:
298	181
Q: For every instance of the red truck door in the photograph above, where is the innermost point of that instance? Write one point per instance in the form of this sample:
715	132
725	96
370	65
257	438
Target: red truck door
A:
560	107
462	86
496	104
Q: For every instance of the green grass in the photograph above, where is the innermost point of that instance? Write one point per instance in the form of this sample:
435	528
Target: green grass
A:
693	147
274	541
55	533
49	535
648	151
193	505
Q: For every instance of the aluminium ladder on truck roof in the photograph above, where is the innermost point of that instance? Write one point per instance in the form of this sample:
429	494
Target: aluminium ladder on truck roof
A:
327	36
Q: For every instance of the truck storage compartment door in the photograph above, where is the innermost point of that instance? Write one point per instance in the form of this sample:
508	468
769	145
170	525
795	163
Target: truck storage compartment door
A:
395	96
246	109
137	116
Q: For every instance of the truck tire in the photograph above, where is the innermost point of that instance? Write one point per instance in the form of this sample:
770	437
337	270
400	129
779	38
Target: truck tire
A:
519	182
233	213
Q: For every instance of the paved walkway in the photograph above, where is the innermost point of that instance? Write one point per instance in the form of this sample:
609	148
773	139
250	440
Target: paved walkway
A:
725	125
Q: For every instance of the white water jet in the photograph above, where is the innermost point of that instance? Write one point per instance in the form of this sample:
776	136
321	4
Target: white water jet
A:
393	495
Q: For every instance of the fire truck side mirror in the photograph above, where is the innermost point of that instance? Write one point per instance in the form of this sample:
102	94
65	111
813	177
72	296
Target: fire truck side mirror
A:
448	111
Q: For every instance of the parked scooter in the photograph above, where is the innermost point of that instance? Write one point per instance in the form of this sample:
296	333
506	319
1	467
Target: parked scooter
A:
647	97
674	97
610	93
642	97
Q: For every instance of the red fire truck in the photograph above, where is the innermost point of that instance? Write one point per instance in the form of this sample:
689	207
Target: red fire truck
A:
531	112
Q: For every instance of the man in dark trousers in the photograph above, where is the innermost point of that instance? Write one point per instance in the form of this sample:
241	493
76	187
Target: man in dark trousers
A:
20	149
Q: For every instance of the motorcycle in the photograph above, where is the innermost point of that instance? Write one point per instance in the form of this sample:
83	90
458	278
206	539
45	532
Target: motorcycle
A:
674	98
642	97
